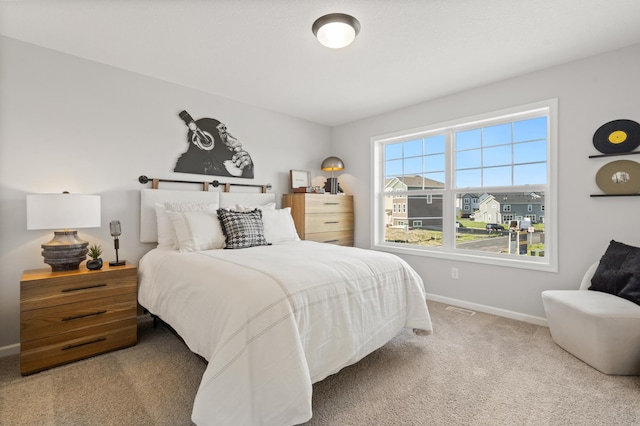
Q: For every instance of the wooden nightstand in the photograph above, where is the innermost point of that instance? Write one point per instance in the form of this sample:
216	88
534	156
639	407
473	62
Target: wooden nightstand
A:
71	315
325	218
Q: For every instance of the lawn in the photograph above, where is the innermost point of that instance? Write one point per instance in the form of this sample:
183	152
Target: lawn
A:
424	237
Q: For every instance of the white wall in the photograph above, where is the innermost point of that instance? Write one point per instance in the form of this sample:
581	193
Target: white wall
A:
590	93
76	125
71	124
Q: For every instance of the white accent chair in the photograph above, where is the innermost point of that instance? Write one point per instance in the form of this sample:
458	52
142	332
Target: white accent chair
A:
601	329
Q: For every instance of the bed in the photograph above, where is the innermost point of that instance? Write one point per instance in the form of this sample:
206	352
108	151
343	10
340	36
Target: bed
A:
270	320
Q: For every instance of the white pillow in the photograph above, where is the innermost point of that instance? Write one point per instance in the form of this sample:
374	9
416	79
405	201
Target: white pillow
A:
166	234
197	230
279	226
263	207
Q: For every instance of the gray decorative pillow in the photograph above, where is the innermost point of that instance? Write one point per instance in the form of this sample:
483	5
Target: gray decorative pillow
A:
242	229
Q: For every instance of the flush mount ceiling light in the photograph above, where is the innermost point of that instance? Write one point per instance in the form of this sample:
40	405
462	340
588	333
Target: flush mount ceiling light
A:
336	30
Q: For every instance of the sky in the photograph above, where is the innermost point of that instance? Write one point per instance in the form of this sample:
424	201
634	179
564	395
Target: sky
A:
513	153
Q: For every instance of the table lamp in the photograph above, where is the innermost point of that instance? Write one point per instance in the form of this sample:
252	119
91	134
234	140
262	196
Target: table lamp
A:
62	212
332	163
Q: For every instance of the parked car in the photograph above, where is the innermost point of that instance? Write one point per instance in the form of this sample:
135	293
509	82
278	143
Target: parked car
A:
494	227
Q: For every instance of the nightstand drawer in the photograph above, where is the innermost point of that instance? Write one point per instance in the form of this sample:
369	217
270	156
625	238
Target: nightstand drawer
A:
35	324
341	238
326	204
69	288
328	222
70	315
60	349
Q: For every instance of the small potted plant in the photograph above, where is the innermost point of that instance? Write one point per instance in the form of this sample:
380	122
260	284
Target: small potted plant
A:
94	253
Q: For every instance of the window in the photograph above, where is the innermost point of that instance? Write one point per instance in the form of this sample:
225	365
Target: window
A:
504	162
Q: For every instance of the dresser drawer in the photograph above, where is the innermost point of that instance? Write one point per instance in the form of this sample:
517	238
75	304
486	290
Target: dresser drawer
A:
60	349
327	222
38	323
341	238
69	288
328	204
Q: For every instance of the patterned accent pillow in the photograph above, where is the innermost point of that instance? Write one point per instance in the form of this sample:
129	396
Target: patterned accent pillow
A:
242	229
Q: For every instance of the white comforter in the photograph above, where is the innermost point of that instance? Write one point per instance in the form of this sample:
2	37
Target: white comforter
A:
272	320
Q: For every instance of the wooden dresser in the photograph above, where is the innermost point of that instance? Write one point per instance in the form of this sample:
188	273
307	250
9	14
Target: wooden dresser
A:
325	218
71	315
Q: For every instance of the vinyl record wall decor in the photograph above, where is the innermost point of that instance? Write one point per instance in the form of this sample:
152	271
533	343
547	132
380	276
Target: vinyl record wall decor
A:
618	137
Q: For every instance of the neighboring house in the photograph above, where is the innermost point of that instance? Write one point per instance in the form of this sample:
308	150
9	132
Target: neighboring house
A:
519	206
505	207
467	204
488	210
425	211
416	211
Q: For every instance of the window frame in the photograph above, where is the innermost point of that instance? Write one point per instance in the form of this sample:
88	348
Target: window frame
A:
448	250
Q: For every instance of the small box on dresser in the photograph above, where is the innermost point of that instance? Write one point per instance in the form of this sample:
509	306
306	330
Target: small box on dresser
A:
325	218
71	315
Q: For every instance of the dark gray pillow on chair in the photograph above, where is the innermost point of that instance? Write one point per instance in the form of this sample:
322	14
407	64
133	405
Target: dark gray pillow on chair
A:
619	272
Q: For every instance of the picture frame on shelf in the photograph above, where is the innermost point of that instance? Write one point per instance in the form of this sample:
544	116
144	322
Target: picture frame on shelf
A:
299	179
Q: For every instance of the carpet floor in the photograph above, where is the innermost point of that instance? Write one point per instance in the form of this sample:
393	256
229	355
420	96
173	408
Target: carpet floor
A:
474	370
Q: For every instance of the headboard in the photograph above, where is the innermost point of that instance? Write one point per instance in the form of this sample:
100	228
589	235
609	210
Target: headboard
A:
149	198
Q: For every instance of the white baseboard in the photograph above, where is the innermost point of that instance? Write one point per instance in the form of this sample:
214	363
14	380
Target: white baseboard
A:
489	310
9	350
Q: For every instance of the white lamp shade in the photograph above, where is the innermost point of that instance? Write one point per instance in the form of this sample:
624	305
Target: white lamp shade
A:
63	211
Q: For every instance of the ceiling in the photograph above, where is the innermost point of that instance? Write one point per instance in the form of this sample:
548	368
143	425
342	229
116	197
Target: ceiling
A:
263	53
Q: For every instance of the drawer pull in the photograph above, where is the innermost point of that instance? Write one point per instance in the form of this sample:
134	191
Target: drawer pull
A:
68	290
98	340
332	241
331	204
84	315
334	221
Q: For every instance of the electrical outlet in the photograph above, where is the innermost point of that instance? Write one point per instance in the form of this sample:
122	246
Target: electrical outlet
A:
454	273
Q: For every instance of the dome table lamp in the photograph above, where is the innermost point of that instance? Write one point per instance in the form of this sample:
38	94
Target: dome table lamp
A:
331	164
62	212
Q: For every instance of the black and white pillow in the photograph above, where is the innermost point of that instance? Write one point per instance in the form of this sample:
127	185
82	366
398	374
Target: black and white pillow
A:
242	229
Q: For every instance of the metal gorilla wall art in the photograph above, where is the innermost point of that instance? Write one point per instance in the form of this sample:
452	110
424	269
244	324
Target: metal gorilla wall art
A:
212	150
